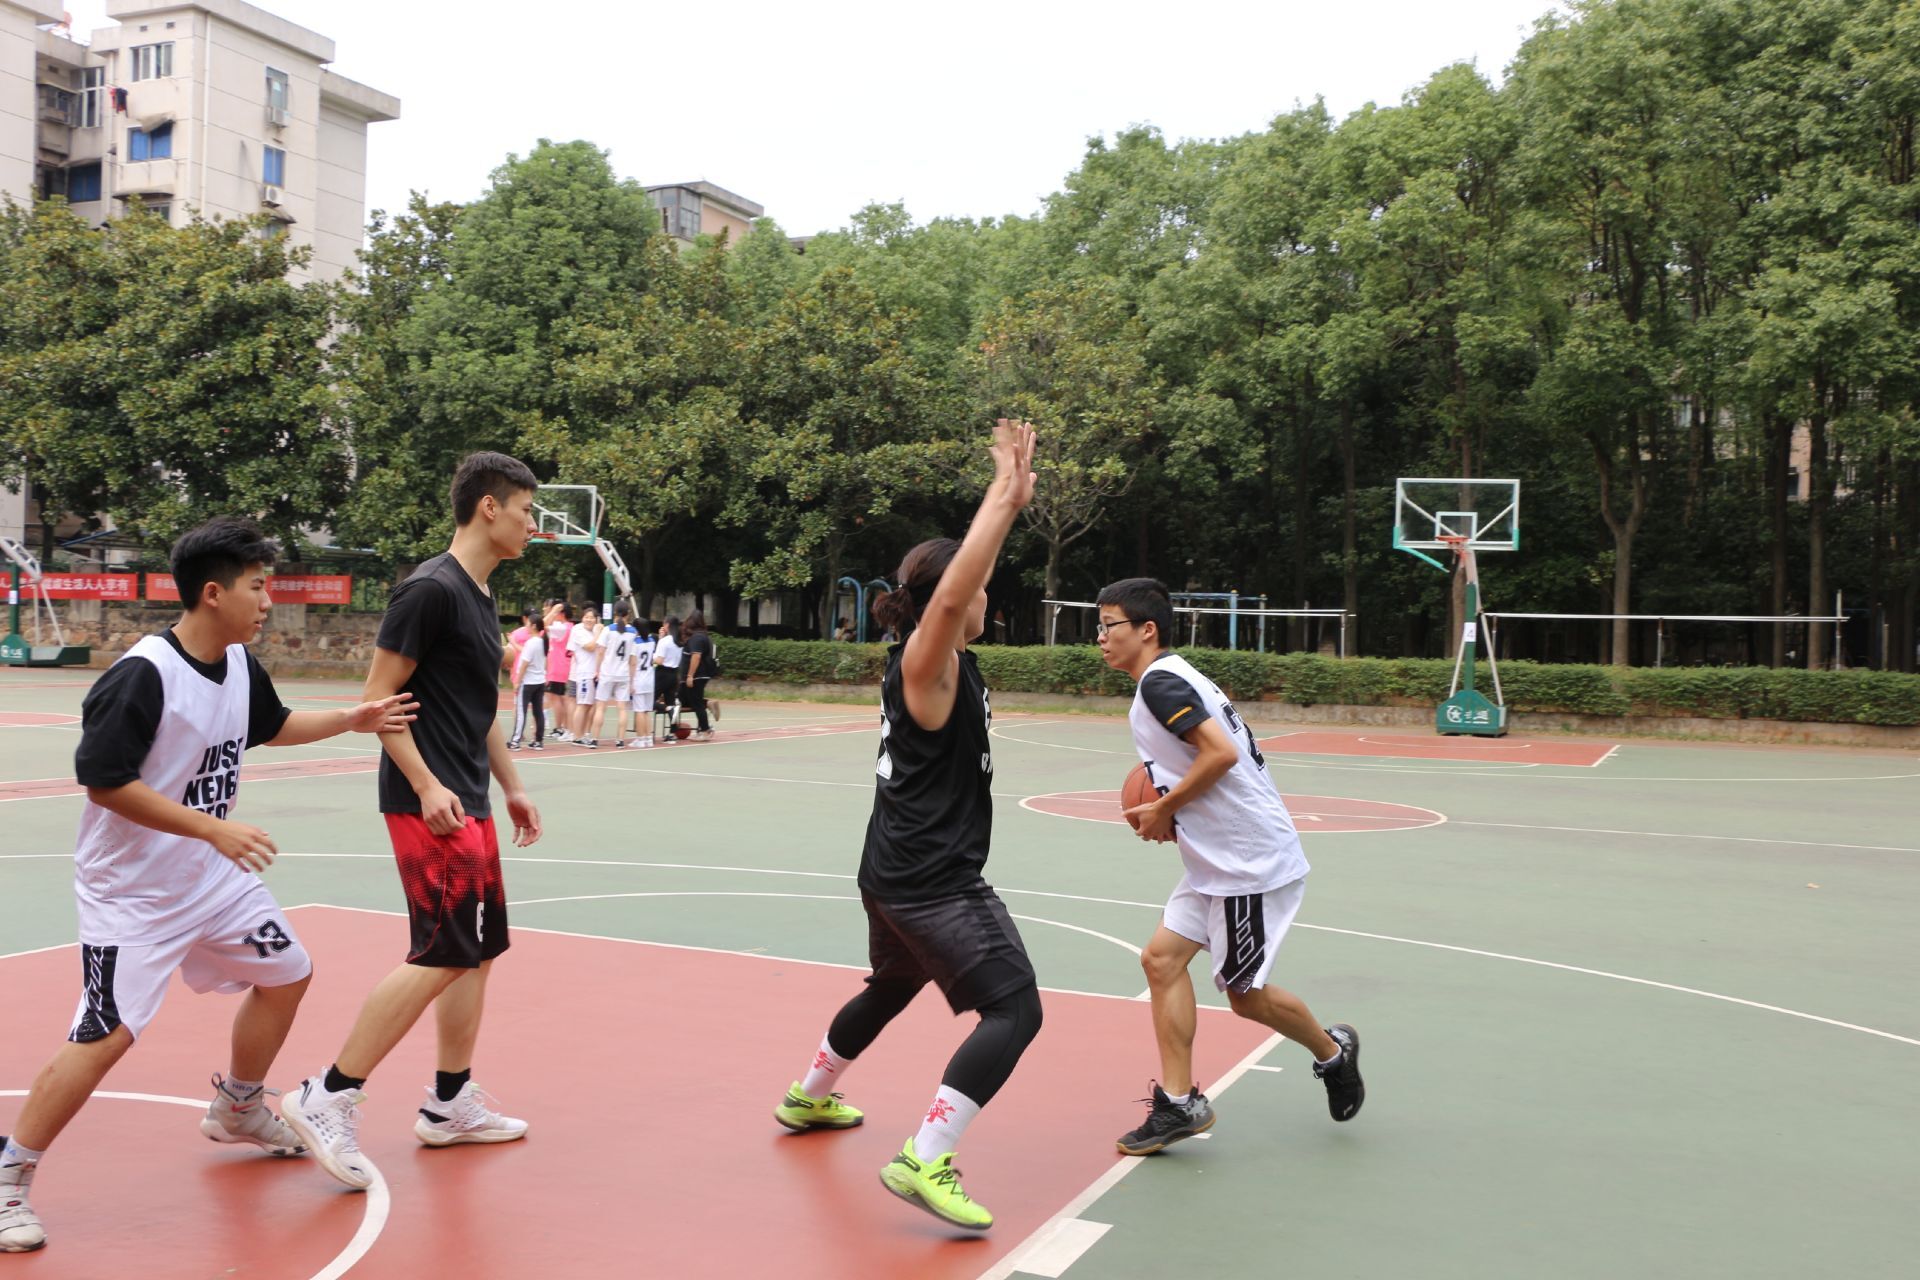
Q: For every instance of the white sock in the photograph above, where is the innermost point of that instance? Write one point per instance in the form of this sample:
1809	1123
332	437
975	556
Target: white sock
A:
1179	1101
13	1153
947	1119
825	1072
242	1090
1327	1062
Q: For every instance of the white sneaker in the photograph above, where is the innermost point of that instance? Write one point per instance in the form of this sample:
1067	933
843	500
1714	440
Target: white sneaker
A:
329	1125
20	1229
467	1118
236	1117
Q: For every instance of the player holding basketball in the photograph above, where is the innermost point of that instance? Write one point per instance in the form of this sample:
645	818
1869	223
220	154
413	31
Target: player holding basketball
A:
931	916
1245	872
438	641
164	875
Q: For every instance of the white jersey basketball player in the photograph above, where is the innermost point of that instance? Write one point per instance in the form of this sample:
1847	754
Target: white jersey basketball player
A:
164	874
1243	871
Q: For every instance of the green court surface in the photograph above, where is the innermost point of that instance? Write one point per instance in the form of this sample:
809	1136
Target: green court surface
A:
1653	1015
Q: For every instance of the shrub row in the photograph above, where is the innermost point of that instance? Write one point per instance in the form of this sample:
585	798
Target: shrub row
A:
1728	693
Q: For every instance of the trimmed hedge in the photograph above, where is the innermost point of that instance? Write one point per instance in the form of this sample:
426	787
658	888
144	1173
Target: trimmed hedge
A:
1726	693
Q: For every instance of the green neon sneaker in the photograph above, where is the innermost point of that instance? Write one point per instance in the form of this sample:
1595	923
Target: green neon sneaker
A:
934	1185
799	1112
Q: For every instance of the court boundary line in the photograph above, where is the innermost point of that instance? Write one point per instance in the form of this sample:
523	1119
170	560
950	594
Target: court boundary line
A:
373	1218
1439	818
1100	1186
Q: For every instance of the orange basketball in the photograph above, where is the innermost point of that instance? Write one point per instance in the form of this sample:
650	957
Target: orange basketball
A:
1137	790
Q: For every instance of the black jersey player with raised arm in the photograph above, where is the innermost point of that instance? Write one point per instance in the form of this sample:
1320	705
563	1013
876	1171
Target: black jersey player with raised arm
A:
931	915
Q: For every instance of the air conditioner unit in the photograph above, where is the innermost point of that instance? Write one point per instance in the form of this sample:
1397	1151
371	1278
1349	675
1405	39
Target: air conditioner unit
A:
278	117
271	196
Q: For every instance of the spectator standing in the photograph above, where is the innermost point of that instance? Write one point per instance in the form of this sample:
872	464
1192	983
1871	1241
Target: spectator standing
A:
559	663
530	683
696	668
666	668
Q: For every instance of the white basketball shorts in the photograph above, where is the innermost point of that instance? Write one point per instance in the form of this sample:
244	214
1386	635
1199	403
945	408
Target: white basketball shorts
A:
249	943
1243	933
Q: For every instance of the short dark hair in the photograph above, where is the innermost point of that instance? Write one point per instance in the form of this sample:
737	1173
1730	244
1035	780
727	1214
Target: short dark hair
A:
488	475
1142	600
217	551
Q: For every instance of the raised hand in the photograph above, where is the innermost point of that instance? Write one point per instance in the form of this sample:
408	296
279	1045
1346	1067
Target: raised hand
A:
1012	450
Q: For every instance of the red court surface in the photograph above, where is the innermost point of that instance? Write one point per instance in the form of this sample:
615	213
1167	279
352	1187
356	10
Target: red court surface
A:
1320	815
1508	751
34	719
649	1074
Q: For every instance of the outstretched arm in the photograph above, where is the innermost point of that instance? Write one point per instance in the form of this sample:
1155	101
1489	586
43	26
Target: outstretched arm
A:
929	665
390	714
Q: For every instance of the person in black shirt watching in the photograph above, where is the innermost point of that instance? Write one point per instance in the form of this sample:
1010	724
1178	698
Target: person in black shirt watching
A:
696	668
931	915
440	641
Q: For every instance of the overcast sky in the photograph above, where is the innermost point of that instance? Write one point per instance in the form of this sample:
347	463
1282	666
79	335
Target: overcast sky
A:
978	108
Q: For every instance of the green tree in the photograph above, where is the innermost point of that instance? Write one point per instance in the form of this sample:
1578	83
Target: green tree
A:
160	375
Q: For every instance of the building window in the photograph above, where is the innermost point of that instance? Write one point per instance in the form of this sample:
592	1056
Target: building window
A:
279	91
83	183
273	167
163	211
152	61
150	144
87	112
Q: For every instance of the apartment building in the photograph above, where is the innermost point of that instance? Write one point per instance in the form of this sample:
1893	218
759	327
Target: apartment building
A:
689	210
212	106
208	106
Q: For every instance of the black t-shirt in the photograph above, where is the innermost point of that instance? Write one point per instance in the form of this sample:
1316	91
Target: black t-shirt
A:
120	715
441	619
933	804
701	643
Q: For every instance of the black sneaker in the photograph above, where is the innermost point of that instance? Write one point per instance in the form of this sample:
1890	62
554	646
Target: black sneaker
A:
1167	1122
1345	1091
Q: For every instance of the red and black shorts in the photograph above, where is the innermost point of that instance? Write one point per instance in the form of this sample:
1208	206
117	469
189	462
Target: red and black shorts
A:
456	899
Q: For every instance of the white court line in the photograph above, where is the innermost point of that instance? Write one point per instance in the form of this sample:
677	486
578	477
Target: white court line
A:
1057	746
1505	771
709	951
820	897
373	1219
1690	835
1438	817
1026	1250
1612	751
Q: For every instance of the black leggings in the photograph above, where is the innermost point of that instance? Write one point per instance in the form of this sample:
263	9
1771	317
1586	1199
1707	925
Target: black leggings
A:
693	697
533	699
984	1060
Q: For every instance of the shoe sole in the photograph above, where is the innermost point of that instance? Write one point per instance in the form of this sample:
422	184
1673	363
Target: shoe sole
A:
805	1125
9	1247
436	1138
311	1140
1354	1049
912	1197
217	1132
1166	1142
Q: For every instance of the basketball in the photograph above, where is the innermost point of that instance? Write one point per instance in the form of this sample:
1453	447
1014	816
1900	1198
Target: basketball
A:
1137	790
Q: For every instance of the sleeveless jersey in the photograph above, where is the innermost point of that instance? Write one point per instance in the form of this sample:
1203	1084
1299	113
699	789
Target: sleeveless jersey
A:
933	801
136	885
1237	837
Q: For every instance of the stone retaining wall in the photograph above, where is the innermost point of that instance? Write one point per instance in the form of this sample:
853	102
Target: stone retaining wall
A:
297	641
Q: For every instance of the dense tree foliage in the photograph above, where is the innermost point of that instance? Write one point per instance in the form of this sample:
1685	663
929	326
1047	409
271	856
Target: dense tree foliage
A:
1667	272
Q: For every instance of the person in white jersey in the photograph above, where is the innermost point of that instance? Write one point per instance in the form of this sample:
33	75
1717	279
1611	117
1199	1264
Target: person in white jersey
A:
1244	877
164	873
644	642
583	651
666	671
615	684
530	683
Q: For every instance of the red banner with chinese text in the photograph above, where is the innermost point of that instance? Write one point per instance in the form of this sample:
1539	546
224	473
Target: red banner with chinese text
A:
316	588
91	586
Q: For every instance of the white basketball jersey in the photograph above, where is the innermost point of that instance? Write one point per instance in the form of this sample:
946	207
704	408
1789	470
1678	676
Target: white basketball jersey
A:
616	653
136	885
1237	836
643	647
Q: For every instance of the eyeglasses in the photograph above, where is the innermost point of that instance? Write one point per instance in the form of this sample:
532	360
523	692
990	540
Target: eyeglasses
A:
1100	629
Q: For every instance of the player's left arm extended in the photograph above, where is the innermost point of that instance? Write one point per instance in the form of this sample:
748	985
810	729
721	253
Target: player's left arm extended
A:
1216	755
525	814
383	715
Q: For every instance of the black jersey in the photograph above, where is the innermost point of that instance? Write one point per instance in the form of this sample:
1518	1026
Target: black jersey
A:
933	803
